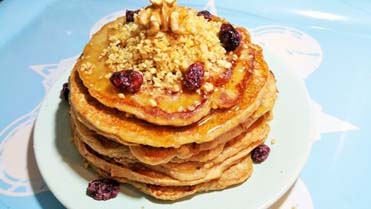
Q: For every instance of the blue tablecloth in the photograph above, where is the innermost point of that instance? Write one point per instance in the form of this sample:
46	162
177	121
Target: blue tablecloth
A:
328	43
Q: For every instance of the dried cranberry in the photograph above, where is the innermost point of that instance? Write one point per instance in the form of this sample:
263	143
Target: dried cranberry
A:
207	15
193	76
103	189
260	153
65	91
127	80
130	15
229	37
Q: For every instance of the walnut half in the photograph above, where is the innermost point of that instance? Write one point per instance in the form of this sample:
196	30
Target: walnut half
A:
161	15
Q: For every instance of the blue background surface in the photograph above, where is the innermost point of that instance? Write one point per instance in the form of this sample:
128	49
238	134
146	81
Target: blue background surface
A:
338	171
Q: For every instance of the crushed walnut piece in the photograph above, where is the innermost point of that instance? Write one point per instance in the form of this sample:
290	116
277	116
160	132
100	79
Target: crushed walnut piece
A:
273	141
152	102
87	67
208	87
157	17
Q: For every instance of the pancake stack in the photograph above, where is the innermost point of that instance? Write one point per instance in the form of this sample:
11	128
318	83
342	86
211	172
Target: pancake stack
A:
203	103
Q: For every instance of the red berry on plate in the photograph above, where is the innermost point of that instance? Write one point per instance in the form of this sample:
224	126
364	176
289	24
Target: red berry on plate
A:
103	189
65	91
260	153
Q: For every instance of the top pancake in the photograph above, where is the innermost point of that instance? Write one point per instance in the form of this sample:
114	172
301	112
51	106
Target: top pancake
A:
257	99
162	60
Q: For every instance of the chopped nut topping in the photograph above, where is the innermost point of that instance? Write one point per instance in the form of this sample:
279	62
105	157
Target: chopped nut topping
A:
152	102
87	67
273	141
121	95
108	75
163	57
191	108
180	109
208	87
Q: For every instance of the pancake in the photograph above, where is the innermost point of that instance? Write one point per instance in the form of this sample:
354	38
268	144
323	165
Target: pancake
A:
128	130
107	52
234	175
197	173
155	156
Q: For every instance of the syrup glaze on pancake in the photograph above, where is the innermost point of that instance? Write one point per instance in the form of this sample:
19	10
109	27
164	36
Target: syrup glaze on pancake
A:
116	125
165	107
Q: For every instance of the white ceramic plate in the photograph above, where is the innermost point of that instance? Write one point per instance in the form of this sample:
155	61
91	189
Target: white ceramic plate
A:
292	127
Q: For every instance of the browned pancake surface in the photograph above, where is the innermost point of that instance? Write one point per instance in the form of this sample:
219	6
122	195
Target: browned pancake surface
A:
163	107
